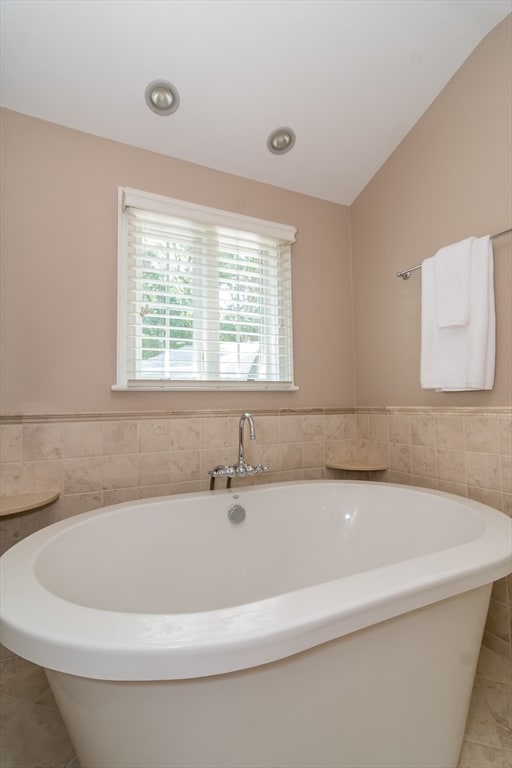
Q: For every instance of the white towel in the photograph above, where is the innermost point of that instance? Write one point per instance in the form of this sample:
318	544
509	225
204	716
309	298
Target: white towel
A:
452	269
459	358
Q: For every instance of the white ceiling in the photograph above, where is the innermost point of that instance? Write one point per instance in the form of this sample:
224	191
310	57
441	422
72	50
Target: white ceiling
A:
351	77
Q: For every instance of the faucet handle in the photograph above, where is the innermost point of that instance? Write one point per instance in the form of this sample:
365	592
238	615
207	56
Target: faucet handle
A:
219	471
224	471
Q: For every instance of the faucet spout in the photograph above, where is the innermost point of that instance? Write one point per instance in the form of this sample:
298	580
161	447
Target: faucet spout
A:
241	469
252	435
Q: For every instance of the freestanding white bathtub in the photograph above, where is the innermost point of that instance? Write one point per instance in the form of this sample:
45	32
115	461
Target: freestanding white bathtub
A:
339	624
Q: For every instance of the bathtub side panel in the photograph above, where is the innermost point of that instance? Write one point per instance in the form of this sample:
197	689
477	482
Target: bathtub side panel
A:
394	695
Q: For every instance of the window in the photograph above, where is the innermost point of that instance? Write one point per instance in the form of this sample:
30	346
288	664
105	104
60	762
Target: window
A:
204	297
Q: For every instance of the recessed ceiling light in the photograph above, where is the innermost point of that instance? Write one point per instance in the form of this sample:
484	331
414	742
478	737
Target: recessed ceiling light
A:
162	97
280	141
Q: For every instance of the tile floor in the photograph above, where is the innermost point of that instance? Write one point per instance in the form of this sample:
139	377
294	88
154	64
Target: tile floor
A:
32	734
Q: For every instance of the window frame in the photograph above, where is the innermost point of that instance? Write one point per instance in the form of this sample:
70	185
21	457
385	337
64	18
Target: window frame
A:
127	197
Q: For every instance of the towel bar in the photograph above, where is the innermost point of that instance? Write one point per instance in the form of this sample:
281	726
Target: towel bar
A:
406	273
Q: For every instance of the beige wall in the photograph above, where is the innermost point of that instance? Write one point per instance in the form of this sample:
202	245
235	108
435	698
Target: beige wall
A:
451	177
59	219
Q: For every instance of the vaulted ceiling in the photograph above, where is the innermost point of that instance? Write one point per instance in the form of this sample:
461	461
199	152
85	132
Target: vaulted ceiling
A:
350	77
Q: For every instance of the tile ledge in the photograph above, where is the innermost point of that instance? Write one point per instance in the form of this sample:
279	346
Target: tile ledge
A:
357	466
23	502
35	418
40	418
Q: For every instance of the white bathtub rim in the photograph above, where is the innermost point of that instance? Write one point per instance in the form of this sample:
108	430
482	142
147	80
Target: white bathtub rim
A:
131	653
128	657
102	644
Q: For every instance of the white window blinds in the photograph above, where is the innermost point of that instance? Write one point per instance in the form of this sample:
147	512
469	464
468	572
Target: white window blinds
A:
204	297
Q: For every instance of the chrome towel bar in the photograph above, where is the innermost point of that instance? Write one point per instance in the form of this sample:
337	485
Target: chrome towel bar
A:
406	273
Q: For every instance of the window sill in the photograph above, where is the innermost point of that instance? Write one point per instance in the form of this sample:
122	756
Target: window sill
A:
165	386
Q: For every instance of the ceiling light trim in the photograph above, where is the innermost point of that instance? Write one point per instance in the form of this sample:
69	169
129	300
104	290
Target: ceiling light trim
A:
281	140
162	97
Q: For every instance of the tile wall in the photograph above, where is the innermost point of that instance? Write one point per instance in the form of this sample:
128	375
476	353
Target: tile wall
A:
466	451
100	459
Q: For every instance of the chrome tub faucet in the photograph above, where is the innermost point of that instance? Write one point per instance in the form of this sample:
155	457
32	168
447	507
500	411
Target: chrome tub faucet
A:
241	469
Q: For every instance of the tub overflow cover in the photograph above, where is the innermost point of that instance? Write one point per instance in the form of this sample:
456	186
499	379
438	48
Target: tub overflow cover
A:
236	513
